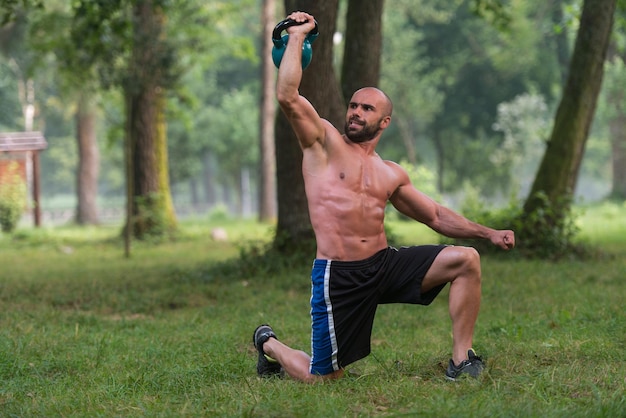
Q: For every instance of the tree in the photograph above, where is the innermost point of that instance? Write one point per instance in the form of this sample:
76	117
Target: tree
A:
267	186
149	67
125	41
79	85
363	46
88	161
555	181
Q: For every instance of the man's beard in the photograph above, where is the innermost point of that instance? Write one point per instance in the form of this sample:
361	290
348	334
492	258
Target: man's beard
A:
367	133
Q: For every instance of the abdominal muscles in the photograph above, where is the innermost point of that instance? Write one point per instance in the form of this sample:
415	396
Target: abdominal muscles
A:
348	225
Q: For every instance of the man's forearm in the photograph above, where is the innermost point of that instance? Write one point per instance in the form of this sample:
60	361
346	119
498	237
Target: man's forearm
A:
453	225
290	70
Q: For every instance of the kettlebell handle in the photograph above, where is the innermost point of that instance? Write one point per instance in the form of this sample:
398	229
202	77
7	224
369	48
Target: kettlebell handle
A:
284	24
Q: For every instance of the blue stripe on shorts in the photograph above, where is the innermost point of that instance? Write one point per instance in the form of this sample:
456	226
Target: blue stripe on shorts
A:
323	339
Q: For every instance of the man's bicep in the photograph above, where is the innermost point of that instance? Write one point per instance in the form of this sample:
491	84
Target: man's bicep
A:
414	204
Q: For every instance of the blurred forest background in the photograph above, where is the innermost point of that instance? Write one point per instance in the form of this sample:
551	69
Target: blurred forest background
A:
475	90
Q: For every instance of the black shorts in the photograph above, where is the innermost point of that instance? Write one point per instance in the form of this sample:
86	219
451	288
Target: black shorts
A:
345	295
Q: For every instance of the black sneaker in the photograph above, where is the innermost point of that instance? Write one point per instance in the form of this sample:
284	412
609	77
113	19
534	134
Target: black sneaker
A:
473	366
265	366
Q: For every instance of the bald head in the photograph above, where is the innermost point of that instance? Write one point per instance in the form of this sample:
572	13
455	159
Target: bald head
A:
383	102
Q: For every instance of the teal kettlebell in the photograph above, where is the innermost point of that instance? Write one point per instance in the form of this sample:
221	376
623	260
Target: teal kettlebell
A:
280	42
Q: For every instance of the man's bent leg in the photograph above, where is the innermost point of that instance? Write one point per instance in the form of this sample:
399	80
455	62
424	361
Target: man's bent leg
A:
459	266
296	363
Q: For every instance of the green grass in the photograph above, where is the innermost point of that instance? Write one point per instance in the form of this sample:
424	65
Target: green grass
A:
86	332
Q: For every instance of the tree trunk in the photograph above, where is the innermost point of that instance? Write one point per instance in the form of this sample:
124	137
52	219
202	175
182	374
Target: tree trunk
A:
558	172
293	224
319	83
320	86
88	163
152	208
363	46
267	184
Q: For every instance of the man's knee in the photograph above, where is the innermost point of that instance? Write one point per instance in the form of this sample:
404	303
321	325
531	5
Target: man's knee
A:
471	255
452	263
462	257
467	260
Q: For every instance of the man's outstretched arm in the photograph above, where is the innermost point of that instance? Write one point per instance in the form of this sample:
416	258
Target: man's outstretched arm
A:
413	203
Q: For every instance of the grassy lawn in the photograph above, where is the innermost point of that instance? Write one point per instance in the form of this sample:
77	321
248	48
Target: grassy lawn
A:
86	332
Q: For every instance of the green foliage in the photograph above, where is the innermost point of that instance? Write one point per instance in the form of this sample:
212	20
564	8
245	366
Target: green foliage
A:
102	32
11	8
494	11
12	198
447	68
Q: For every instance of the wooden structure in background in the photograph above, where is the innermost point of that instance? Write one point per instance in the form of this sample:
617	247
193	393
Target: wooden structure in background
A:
23	148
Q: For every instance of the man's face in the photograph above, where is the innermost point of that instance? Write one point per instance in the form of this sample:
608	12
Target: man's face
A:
364	118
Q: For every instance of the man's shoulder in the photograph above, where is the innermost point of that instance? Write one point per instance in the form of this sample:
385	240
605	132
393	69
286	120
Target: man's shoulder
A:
394	166
396	172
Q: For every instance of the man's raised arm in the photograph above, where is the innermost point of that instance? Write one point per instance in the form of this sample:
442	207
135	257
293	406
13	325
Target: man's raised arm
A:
303	118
